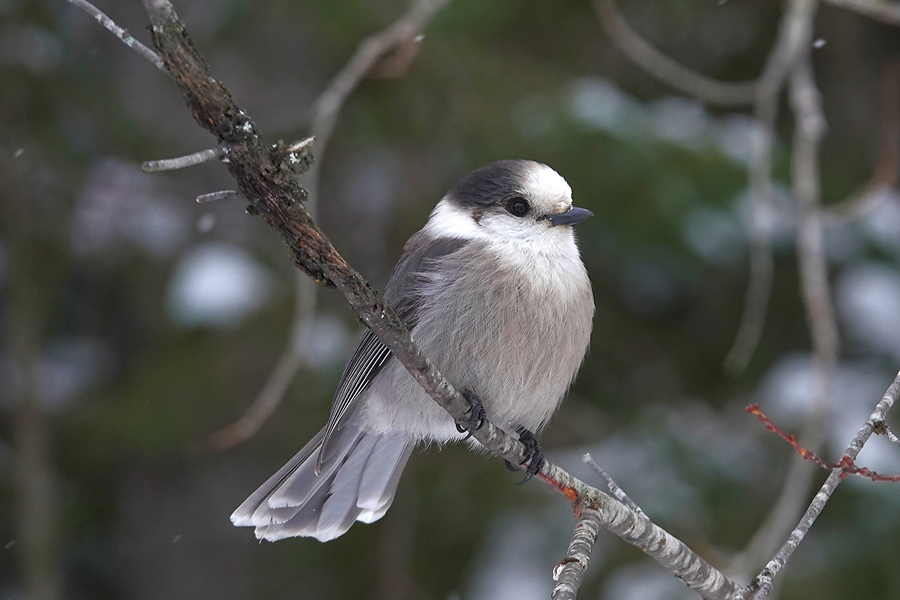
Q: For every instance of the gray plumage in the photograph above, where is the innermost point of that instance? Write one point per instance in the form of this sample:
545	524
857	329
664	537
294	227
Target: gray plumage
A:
499	301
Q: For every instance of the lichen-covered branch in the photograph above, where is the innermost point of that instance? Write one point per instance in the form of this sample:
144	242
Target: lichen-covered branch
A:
570	572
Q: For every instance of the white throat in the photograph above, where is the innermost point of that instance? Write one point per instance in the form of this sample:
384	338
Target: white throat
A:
548	256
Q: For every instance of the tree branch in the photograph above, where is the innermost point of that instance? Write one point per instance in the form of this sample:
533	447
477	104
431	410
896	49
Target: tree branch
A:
570	572
808	132
761	586
613	487
269	398
659	65
794	31
183	162
263	177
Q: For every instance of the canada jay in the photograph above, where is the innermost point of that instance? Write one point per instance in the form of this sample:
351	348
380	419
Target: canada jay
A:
496	295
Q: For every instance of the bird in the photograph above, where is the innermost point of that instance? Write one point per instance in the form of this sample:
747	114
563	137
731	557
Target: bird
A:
495	294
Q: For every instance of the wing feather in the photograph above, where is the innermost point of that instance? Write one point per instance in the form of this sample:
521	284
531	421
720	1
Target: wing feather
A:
371	355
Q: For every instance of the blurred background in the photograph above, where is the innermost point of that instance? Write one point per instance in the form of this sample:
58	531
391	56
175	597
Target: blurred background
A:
135	322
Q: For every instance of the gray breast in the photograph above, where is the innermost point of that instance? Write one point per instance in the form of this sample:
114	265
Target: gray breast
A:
490	330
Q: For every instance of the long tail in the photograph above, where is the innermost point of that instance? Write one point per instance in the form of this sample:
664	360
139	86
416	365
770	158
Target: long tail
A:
358	483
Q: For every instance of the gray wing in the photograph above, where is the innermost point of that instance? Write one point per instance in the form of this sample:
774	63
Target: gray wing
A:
371	355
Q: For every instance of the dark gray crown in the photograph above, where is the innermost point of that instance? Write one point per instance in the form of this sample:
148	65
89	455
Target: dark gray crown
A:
491	185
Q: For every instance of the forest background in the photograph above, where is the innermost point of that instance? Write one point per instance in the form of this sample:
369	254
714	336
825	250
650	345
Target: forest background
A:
135	322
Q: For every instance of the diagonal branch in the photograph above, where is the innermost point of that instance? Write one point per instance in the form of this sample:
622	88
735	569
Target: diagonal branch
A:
117	31
613	487
262	177
570	572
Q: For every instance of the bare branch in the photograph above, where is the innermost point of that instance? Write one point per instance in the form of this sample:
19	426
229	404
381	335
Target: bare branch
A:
183	162
570	572
278	198
214	196
292	358
659	65
808	131
762	584
782	516
892	437
794	36
846	464
883	429
117	31
614	488
880	10
329	104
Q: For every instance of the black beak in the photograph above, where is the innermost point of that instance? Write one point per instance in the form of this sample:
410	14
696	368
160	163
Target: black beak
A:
570	217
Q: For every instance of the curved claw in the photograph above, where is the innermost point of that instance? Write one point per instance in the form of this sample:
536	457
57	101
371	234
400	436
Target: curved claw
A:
476	414
534	456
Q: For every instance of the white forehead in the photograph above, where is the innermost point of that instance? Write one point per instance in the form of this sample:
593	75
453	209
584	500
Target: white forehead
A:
546	188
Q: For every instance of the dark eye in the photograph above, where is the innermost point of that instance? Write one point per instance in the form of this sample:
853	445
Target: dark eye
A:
517	206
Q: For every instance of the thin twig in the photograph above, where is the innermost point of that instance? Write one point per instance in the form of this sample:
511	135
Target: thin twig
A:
278	199
292	358
761	586
327	108
215	196
794	31
569	573
880	10
809	130
795	41
657	64
183	162
613	487
846	464
782	516
883	429
117	31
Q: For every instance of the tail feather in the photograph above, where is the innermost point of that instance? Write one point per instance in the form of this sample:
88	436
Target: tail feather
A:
304	481
358	484
304	523
378	484
345	488
243	516
375	510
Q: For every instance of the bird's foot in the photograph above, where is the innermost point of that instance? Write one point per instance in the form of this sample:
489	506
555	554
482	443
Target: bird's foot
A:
476	415
534	456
